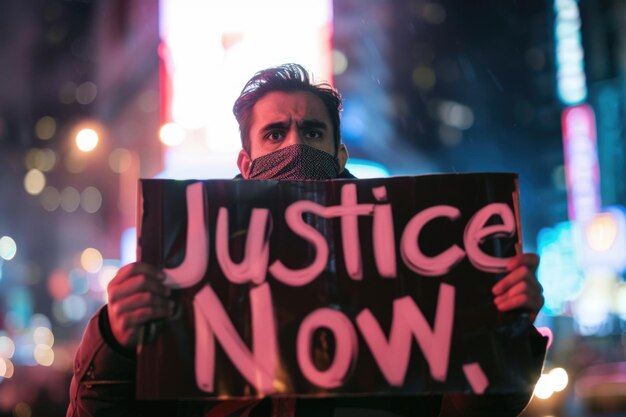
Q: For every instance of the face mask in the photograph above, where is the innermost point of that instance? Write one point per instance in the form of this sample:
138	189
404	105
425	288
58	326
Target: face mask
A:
295	162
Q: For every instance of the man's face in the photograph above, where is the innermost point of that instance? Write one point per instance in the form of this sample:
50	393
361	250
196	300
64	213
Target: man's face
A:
281	119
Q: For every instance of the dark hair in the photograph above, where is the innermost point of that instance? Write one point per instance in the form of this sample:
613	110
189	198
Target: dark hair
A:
287	77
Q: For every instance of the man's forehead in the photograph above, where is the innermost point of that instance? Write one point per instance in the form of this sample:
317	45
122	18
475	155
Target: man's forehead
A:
286	105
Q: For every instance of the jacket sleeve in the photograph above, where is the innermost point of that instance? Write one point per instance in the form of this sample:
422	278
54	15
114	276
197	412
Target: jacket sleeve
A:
500	405
103	383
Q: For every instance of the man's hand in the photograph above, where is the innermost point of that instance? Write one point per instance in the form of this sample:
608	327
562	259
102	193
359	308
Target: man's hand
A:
136	295
520	289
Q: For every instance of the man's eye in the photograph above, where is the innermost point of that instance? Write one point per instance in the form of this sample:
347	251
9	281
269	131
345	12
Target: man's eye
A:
313	134
275	136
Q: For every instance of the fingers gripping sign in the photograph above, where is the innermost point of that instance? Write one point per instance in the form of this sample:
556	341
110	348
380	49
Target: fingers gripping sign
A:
137	295
520	288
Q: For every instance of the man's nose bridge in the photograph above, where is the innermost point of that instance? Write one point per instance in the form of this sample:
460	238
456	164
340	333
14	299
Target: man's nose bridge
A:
295	135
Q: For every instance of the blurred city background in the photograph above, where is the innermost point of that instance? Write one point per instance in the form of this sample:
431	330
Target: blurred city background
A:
95	94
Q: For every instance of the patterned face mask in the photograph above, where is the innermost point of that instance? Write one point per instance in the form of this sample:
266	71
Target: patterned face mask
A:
295	162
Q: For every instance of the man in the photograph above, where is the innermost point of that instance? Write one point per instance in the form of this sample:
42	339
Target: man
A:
290	129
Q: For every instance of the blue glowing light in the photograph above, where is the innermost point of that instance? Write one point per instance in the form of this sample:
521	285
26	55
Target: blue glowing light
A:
558	272
362	168
571	80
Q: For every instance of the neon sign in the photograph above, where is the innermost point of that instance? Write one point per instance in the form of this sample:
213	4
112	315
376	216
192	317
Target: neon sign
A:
582	172
571	80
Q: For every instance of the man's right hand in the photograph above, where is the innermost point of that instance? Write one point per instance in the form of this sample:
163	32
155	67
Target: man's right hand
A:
136	295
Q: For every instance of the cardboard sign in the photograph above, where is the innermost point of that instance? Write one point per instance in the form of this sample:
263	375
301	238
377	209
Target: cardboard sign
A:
345	287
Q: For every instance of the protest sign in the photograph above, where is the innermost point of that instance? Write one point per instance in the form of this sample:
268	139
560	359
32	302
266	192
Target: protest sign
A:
346	287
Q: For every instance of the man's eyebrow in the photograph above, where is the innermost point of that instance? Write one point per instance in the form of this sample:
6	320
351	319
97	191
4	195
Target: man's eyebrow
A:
275	125
305	124
313	124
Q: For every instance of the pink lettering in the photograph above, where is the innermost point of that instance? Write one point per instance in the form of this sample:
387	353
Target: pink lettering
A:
476	377
350	234
392	356
257	367
254	265
193	267
293	218
383	236
345	351
409	245
476	232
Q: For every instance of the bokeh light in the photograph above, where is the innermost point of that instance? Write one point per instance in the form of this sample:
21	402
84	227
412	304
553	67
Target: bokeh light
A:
424	77
91	199
74	307
559	379
601	232
34	182
7	347
43	336
105	276
45	128
45	159
91	260
30	159
22	410
50	198
70	199
58	285
86	92
172	134
555	380
8	248
120	160
87	139
340	62
455	114
40	320
79	284
43	354
9	369
543	389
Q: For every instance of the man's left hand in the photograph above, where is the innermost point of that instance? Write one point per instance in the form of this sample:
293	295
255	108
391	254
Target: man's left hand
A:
520	289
